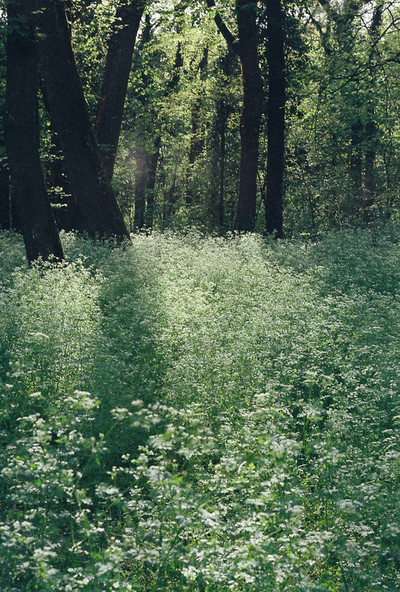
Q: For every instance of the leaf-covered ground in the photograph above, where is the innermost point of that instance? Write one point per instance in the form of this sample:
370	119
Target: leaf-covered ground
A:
196	414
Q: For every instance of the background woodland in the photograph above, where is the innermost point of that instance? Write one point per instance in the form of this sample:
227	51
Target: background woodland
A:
278	117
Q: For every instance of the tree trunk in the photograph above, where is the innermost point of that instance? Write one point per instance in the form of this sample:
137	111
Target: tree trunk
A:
100	213
115	80
22	135
371	127
246	47
215	207
59	188
58	185
275	119
251	115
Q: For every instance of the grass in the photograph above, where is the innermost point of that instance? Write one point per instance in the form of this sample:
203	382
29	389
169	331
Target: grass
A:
201	415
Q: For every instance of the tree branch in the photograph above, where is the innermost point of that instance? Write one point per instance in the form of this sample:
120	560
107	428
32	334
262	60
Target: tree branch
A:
223	29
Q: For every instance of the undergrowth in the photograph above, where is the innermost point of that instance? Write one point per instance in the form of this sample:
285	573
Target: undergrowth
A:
193	414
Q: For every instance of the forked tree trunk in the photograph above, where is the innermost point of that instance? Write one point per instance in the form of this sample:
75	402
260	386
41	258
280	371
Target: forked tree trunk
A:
22	135
100	213
115	80
275	119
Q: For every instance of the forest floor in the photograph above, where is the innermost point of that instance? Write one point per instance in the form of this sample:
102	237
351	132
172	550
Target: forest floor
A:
196	414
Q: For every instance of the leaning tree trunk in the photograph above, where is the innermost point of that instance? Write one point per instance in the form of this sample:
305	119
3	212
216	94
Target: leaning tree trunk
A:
96	201
115	80
275	119
21	126
251	114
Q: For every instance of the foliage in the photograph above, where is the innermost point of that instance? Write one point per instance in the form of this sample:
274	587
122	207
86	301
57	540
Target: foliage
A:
201	414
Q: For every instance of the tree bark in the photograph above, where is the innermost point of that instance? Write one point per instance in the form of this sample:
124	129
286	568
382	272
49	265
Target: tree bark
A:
22	135
275	119
246	48
251	115
215	204
100	213
115	80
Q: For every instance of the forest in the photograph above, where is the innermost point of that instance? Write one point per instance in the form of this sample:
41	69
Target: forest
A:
199	296
279	118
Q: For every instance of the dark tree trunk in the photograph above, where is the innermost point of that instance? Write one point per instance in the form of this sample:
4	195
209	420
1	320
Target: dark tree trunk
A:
115	80
215	207
58	185
59	188
100	213
16	223
275	119
22	135
251	114
246	47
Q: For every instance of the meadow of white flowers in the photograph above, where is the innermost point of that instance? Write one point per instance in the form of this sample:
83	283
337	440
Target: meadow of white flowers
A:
196	414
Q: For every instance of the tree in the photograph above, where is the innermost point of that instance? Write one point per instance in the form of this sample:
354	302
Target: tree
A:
147	94
99	212
245	45
275	118
22	135
197	128
115	80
